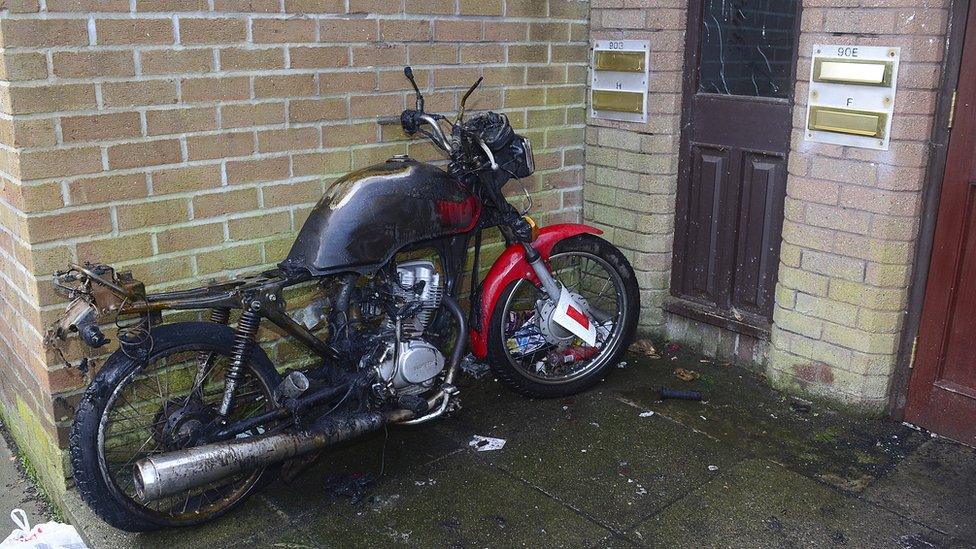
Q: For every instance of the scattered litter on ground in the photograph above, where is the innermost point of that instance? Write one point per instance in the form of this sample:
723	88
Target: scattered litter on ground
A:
648	413
705	361
485	444
801	407
474	367
622	364
383	502
48	534
644	347
680	394
713	468
352	486
673	347
686	375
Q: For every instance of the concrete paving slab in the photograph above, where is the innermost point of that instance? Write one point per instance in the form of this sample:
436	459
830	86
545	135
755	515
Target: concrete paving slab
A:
543	489
458	501
254	518
385	456
936	486
762	504
740	410
599	456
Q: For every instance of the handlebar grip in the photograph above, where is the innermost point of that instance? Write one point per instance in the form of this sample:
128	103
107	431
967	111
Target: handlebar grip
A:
388	120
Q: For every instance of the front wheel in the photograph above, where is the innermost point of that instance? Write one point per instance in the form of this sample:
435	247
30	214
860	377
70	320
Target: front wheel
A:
535	356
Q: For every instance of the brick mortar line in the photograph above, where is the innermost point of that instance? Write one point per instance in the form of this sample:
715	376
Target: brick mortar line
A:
843	326
195	163
857	373
287	70
271	100
265	155
223	218
205	191
282	16
320	123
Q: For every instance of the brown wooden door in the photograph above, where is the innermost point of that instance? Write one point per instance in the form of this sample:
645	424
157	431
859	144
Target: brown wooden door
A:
732	174
942	392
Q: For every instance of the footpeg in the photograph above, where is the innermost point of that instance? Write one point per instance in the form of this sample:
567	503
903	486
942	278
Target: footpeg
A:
414	403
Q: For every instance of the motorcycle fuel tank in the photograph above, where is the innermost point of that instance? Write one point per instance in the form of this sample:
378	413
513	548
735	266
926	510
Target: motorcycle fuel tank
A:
367	216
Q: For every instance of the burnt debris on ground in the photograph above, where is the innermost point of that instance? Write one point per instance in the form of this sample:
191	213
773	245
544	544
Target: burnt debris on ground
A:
619	466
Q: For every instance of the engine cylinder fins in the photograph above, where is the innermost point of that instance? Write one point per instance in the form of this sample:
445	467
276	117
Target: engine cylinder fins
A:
410	274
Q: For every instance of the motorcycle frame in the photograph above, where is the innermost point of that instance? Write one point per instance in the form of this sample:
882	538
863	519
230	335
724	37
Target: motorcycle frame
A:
261	296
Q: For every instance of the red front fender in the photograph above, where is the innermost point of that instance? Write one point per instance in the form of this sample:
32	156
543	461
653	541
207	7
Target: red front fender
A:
511	265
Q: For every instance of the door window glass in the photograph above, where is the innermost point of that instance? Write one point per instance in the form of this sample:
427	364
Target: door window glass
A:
747	47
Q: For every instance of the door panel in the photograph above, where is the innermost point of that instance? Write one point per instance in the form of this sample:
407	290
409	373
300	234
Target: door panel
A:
707	196
942	390
760	224
959	366
732	173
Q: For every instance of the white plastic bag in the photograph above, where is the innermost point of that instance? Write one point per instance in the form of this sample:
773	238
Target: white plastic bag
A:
50	535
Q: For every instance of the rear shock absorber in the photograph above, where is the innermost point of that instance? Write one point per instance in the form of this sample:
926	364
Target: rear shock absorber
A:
247	329
205	360
220	315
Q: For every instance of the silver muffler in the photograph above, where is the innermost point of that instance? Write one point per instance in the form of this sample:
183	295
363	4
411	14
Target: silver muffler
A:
176	472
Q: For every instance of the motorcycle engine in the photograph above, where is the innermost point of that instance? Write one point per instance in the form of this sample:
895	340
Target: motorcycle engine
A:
410	363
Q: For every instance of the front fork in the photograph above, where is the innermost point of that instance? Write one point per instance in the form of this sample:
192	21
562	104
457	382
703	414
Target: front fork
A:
550	285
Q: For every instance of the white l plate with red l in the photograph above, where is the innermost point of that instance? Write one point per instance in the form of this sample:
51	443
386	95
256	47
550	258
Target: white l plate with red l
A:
570	315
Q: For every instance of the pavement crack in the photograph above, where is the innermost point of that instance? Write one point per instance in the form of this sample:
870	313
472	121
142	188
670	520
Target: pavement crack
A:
559	500
638	406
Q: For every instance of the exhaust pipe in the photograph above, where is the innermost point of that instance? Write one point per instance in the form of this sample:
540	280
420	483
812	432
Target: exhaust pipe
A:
176	472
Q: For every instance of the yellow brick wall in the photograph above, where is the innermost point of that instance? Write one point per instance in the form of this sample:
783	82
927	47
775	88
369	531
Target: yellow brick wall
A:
632	168
851	215
189	140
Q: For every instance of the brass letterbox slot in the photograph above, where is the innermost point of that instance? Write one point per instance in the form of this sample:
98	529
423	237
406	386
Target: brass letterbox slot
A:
620	61
618	101
848	121
852	71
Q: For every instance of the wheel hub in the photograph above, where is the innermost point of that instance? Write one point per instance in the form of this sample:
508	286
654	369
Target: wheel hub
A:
553	332
179	425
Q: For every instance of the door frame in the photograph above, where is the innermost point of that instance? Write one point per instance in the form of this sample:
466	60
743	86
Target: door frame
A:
692	56
932	193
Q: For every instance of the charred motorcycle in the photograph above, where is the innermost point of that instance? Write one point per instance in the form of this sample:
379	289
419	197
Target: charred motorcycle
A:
187	419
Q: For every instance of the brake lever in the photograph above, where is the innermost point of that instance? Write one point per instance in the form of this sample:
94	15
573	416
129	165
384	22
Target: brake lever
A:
491	157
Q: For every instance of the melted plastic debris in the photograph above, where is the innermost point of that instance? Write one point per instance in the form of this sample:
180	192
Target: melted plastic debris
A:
486	444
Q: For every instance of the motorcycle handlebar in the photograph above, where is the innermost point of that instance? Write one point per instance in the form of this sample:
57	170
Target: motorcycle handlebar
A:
418	118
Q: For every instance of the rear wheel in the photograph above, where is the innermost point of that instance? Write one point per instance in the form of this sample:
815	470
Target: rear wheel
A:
137	408
535	356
